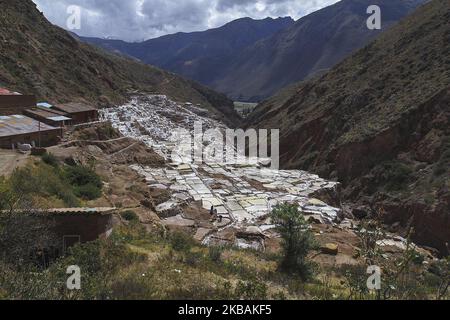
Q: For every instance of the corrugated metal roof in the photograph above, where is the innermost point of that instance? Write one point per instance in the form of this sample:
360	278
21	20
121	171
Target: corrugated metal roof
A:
6	92
100	210
94	211
59	118
74	107
44	105
17	124
50	114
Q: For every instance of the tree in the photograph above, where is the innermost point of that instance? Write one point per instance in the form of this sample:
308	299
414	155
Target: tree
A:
297	239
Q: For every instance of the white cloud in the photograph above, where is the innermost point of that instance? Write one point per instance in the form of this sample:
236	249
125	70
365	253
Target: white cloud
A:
136	20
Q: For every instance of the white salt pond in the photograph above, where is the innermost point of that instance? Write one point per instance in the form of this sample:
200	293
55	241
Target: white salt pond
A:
242	195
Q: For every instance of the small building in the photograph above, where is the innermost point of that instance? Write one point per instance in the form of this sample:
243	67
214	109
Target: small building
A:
14	103
19	129
68	227
48	116
81	225
79	112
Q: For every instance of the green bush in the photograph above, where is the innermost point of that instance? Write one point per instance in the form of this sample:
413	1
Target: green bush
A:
7	197
88	192
418	258
50	159
251	290
181	241
395	175
297	240
86	183
81	176
215	253
193	258
129	215
355	281
41	180
107	132
443	165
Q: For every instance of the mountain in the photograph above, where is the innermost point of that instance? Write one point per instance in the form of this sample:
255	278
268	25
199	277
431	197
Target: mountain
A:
250	60
379	122
314	44
201	56
39	58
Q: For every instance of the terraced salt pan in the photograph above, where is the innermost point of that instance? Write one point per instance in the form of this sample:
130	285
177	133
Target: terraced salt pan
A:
227	187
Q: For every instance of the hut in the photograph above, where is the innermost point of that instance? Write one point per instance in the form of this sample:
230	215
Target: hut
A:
19	129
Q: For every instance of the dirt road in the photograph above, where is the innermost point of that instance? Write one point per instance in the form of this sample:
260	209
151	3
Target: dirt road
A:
9	160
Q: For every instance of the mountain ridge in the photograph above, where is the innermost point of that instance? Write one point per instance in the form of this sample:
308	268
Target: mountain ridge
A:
200	55
45	60
266	60
384	132
314	44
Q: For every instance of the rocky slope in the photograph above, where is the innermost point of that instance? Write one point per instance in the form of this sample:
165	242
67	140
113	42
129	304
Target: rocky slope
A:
201	56
311	46
379	122
39	58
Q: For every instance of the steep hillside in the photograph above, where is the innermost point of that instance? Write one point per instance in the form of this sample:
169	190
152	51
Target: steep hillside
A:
201	56
40	58
312	45
380	123
249	60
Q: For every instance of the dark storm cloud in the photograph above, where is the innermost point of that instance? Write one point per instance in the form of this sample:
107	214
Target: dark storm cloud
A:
136	20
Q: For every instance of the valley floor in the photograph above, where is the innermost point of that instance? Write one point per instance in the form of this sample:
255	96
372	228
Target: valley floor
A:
166	244
242	194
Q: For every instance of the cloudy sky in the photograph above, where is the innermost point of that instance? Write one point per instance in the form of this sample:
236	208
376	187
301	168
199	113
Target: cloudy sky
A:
137	20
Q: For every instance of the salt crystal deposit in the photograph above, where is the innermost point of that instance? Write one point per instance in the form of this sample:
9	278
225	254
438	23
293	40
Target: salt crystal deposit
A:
242	195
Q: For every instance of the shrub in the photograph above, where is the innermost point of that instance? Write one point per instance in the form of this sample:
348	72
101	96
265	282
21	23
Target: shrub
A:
193	258
297	239
442	166
50	159
107	132
215	253
7	197
181	241
130	215
80	176
251	290
88	192
355	281
25	181
87	184
418	258
42	181
395	175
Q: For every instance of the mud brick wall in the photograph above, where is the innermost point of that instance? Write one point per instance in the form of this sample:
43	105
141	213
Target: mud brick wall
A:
15	104
88	227
47	138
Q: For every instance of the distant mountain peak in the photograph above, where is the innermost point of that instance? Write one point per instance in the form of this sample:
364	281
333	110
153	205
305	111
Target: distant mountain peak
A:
250	60
201	56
